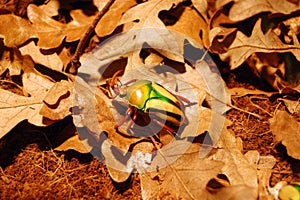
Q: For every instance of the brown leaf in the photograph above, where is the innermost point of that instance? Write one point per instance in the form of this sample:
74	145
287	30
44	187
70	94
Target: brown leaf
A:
237	168
269	67
190	24
244	9
74	143
221	3
182	174
293	106
95	114
58	101
51	61
286	130
264	164
147	13
51	33
15	30
110	20
202	7
242	46
151	29
15	108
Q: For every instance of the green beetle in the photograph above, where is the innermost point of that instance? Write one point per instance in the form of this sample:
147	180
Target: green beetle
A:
290	192
165	108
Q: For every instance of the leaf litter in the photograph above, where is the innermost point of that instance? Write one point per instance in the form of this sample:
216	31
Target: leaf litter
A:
228	167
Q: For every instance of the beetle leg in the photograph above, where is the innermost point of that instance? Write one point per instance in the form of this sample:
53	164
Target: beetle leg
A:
183	99
125	118
131	81
165	126
132	120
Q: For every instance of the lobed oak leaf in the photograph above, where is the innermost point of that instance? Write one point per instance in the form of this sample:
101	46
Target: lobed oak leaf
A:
15	108
202	7
177	172
51	61
51	33
14	30
151	29
244	9
110	20
74	143
190	24
51	8
147	13
287	133
91	111
237	168
58	101
264	164
242	46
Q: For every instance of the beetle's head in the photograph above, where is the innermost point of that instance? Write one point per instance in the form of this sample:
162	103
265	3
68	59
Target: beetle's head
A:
118	90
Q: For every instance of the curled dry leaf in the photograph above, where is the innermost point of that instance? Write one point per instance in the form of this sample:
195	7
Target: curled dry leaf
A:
201	6
151	29
92	111
242	46
293	106
269	67
191	24
237	168
264	164
51	33
181	173
287	133
15	108
14	30
244	9
110	20
147	13
51	61
58	101
221	3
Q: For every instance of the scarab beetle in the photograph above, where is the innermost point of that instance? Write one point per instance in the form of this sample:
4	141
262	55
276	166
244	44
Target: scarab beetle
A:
290	192
166	109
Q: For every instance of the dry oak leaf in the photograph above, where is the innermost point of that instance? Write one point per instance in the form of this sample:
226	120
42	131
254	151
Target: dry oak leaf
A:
202	7
237	168
151	29
51	61
177	172
264	164
147	13
15	108
51	33
14	30
190	24
91	110
58	101
244	9
110	20
269	67
286	130
242	46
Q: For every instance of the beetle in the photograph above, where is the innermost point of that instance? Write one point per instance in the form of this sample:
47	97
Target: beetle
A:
290	192
151	98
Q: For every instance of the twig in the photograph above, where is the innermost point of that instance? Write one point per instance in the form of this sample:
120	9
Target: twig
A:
75	63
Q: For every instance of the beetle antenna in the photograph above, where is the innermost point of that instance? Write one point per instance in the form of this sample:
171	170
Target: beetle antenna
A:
113	87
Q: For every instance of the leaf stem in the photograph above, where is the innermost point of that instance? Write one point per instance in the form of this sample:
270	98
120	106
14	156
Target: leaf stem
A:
75	63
